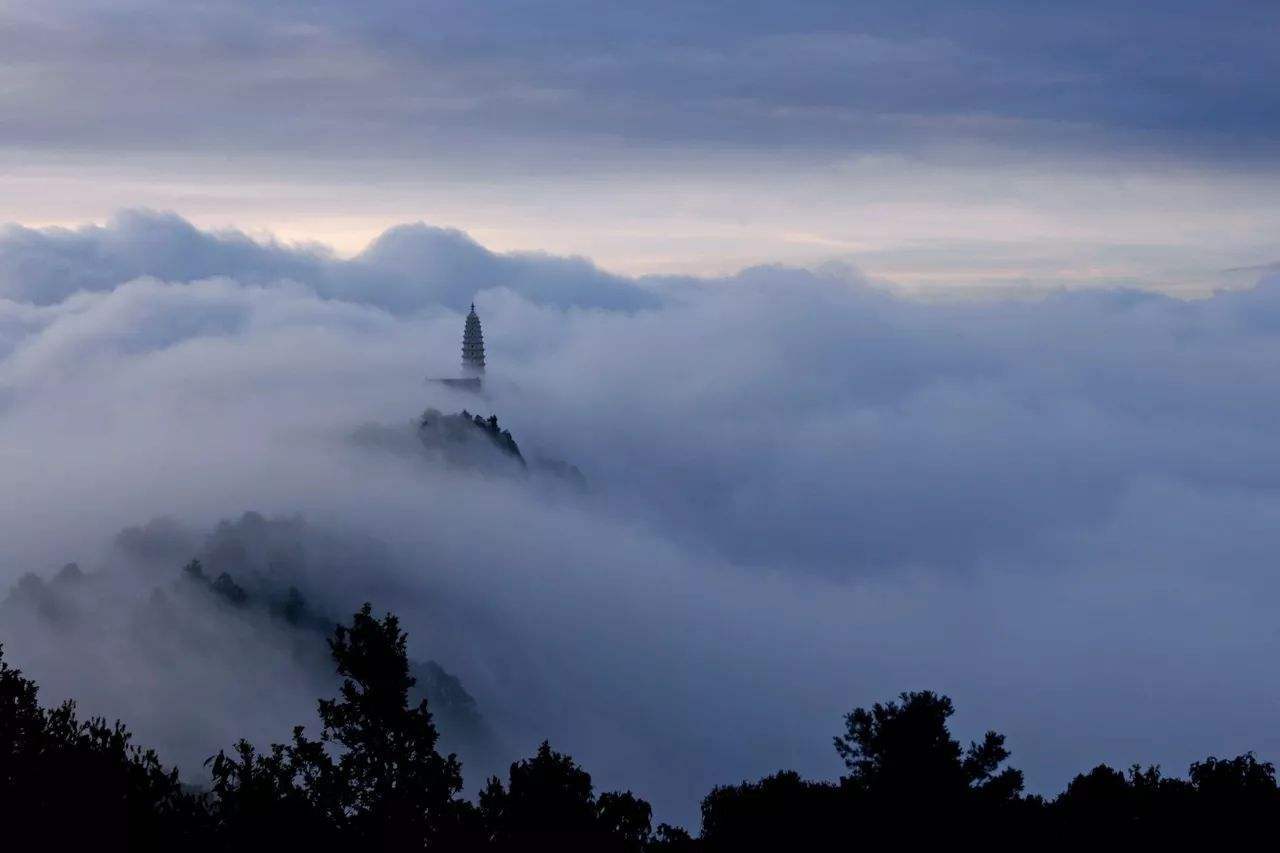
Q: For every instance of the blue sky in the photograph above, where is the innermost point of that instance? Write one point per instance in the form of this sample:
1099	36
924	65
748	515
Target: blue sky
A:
941	146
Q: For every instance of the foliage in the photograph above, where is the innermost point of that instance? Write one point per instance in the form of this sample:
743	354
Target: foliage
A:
374	779
896	748
548	803
80	782
489	427
387	788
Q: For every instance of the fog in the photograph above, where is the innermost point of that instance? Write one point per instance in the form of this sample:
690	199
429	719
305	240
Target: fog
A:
804	492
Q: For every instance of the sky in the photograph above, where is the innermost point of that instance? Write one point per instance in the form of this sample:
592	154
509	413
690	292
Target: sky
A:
900	346
941	146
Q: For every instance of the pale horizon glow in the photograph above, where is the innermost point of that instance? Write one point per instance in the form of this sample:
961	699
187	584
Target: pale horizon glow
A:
998	147
938	230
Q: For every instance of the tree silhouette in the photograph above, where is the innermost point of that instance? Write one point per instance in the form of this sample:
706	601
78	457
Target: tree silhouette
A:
1221	799
779	812
905	774
268	801
548	804
374	780
625	818
74	783
895	749
397	788
388	788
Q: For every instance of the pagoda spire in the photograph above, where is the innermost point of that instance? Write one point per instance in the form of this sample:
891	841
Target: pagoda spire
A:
473	344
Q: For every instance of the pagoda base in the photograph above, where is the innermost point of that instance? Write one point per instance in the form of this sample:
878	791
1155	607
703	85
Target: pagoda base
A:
470	383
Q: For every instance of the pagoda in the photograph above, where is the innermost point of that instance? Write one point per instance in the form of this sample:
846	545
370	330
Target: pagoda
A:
472	356
473	345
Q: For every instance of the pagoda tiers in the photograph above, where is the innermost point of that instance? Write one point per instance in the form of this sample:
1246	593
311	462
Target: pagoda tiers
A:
473	345
472	357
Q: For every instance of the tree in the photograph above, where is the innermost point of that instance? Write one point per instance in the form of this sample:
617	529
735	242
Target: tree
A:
1221	798
399	791
1101	799
782	811
896	751
374	779
73	783
626	818
1236	792
268	801
548	804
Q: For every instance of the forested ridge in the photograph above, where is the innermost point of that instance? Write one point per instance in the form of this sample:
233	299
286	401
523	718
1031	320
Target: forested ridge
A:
372	778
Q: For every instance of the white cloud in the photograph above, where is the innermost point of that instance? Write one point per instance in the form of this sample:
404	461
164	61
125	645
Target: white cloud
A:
410	267
806	493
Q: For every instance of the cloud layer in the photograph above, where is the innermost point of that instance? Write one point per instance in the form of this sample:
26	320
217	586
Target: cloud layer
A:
393	78
805	492
408	268
997	145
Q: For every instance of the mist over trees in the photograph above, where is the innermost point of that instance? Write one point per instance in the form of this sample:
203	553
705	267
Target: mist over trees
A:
182	647
781	461
372	777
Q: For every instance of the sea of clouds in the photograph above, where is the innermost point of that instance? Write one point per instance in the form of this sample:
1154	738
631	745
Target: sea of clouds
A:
805	493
